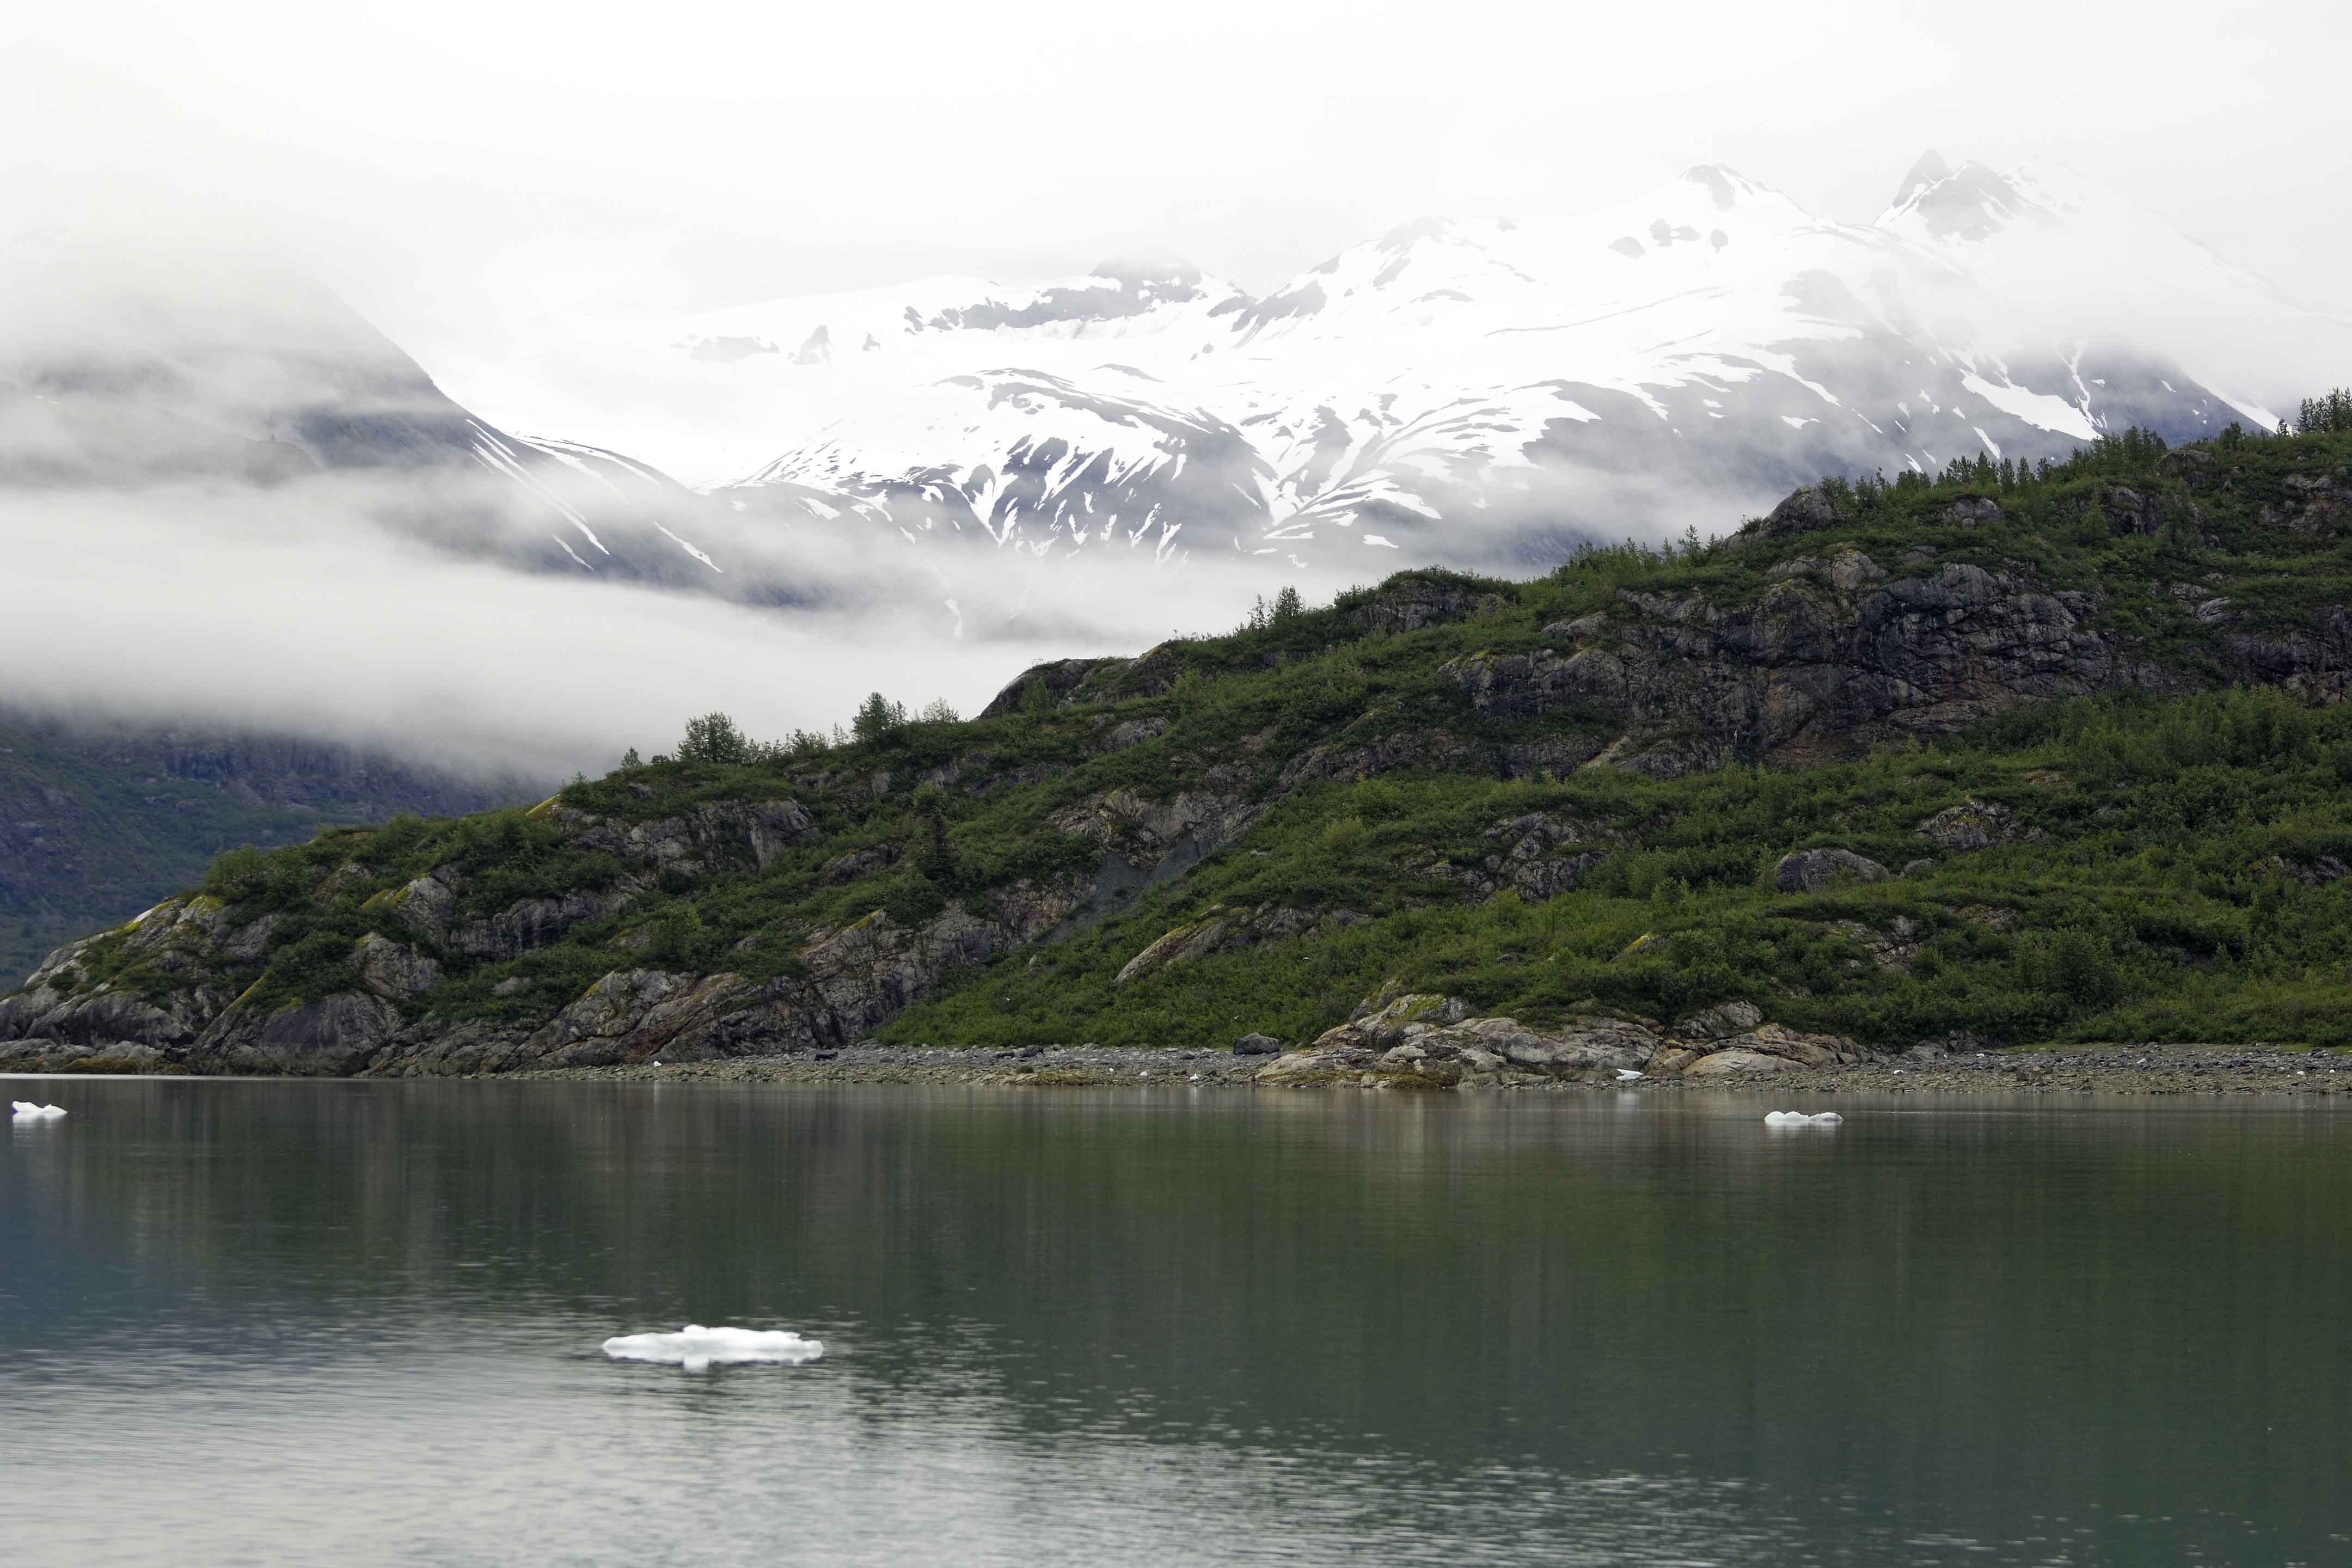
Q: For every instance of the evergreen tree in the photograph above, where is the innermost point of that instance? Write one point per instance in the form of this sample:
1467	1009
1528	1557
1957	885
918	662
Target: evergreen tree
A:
714	738
876	717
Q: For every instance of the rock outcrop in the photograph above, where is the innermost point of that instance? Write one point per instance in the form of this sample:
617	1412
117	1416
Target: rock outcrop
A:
1411	602
848	980
1827	658
1972	824
1425	1041
1811	871
1223	929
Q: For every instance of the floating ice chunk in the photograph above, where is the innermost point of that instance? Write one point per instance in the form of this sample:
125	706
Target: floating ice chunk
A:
26	1110
696	1348
1826	1118
1785	1119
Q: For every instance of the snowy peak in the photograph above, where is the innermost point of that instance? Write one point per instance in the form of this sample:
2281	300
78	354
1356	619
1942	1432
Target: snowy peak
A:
1117	290
1930	170
1973	202
1727	188
1473	388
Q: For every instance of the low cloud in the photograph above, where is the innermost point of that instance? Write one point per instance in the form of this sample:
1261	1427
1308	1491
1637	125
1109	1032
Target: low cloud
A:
291	609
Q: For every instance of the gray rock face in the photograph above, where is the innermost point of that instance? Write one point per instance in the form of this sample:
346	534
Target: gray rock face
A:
1409	605
102	1017
636	1015
1805	511
2128	511
852	863
2315	664
724	835
534	923
1145	831
1581	1043
394	970
1257	1046
2315	504
1721	1021
426	905
1827	658
1428	1041
1134	732
1060	677
1584	629
1226	929
1736	1061
336	1035
1811	871
1544	855
1845	568
1409	749
1972	824
59	1002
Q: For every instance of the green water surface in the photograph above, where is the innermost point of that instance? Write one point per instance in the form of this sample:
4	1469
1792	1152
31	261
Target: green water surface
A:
359	1322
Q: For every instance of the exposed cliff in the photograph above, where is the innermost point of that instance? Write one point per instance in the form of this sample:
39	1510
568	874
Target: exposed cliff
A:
1955	762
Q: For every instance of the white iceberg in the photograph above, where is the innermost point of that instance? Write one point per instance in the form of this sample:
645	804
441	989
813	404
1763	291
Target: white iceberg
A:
26	1110
1826	1118
1798	1119
697	1349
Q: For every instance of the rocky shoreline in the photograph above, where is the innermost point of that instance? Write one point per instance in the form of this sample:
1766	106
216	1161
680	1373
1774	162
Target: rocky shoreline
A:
2154	1071
2211	1070
1412	1043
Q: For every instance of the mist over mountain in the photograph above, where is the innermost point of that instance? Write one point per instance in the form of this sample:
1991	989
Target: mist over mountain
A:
1478	392
233	501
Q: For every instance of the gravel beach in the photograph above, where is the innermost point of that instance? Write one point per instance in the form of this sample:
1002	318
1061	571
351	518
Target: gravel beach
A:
2105	1070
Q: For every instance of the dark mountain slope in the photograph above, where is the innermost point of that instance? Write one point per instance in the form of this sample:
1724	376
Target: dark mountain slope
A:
2008	757
97	824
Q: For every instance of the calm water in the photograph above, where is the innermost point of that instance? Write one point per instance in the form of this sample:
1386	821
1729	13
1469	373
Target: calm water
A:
303	1322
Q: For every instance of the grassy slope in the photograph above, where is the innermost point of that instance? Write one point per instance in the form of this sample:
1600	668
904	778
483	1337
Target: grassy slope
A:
2158	898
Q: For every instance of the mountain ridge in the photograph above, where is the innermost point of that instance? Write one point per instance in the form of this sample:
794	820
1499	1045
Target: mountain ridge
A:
2049	750
1482	390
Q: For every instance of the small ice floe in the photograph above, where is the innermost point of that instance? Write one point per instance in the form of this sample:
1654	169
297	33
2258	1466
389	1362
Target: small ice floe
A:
698	1349
26	1110
1798	1119
1627	1075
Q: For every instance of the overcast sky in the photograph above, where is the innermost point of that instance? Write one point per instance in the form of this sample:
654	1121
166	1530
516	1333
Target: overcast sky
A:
438	157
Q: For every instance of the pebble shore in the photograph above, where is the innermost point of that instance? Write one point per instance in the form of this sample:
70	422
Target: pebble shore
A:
2107	1069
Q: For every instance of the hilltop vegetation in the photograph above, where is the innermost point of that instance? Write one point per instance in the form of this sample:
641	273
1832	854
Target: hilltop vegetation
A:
2004	756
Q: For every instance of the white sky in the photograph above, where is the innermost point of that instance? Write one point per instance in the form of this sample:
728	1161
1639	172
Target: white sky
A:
433	158
439	162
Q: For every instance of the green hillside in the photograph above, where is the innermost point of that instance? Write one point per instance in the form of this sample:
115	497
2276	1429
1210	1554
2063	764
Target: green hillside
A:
2069	741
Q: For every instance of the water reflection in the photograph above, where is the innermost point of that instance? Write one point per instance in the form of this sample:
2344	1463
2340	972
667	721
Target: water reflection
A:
362	1319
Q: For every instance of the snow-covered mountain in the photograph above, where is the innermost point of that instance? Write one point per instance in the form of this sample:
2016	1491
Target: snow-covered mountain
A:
121	372
1466	390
